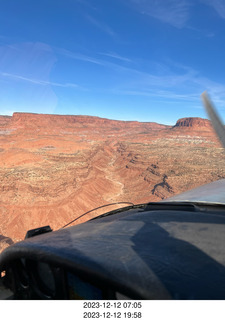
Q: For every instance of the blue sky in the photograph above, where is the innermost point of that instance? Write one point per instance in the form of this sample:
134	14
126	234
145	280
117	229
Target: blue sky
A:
145	60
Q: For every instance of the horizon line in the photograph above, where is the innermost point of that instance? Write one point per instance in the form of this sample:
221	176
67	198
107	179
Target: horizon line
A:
92	116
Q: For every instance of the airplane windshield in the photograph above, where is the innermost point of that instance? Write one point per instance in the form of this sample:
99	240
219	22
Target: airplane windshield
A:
100	104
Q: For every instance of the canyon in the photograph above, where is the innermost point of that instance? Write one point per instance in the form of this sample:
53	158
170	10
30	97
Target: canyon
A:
54	168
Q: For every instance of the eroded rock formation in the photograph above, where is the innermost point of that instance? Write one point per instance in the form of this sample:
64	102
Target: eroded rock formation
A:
197	123
54	168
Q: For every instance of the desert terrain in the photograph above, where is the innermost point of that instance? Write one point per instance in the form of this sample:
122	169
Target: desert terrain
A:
54	168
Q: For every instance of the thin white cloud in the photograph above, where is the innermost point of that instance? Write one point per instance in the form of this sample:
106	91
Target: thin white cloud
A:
100	25
218	6
87	58
215	89
201	32
173	12
188	82
140	78
36	81
115	56
24	76
161	94
77	56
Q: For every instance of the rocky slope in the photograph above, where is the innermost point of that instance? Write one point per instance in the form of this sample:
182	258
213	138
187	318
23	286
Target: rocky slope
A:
54	168
194	123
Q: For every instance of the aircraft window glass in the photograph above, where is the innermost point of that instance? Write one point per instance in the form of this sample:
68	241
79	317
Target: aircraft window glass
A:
79	289
45	274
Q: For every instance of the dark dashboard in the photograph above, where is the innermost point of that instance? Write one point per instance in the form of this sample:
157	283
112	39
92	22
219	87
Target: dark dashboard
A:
153	251
30	279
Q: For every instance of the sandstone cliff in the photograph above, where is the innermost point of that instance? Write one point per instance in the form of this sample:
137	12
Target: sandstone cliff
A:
54	168
196	123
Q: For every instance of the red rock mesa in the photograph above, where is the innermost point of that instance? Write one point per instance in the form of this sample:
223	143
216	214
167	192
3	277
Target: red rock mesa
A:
53	168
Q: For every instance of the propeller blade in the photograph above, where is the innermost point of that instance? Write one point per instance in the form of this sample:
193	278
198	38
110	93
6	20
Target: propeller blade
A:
214	117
